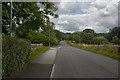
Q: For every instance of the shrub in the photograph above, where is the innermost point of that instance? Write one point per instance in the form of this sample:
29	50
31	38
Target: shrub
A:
115	40
87	38
100	40
54	42
15	53
37	38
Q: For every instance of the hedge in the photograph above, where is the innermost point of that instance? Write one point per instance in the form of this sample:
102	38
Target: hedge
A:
15	53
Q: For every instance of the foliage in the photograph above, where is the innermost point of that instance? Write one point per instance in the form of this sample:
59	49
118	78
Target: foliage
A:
36	53
100	34
59	35
100	40
113	32
108	36
87	38
115	40
15	53
75	38
25	14
37	38
88	31
53	42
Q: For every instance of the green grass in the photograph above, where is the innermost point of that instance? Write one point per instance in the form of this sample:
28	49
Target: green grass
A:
36	53
117	45
106	51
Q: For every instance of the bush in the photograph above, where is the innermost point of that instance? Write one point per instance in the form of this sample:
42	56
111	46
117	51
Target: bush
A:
100	40
115	40
54	42
37	38
15	53
87	38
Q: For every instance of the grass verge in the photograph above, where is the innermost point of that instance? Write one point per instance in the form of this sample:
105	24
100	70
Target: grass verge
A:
36	53
106	50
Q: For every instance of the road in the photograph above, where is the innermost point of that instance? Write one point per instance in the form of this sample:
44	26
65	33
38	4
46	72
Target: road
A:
76	63
39	68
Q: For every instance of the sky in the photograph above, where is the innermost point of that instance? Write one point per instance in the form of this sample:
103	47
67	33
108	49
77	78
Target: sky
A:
77	15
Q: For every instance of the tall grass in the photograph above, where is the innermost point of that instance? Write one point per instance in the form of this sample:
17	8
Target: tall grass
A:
105	50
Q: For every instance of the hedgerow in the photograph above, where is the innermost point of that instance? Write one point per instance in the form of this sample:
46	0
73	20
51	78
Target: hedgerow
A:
15	53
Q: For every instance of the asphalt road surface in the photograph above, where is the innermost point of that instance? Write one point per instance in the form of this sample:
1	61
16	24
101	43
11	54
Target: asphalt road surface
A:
39	68
76	63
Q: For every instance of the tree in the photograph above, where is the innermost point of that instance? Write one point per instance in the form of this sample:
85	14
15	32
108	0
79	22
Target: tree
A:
37	38
87	38
100	34
88	31
115	40
115	32
76	38
25	14
59	35
100	40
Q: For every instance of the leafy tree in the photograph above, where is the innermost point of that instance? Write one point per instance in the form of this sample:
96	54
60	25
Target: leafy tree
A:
100	34
100	40
87	38
59	35
108	36
88	31
115	32
115	40
25	14
70	37
76	38
37	38
5	17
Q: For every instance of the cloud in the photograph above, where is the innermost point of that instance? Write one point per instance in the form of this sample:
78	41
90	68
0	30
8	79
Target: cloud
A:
100	16
66	7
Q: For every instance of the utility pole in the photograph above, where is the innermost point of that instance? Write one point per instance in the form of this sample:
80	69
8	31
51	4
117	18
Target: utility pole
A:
79	37
53	31
11	21
49	38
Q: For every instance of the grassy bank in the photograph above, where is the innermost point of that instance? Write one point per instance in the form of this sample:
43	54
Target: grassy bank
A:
36	53
105	50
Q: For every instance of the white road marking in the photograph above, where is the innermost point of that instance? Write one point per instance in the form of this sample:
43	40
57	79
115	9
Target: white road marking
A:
52	72
59	47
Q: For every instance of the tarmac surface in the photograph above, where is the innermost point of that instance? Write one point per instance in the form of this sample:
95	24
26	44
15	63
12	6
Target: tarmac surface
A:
68	62
76	63
41	67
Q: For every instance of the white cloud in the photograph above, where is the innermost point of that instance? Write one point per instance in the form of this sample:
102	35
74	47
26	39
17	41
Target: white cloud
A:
101	16
66	7
62	22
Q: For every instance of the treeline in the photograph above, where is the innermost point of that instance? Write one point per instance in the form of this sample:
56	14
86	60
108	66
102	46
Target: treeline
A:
88	36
